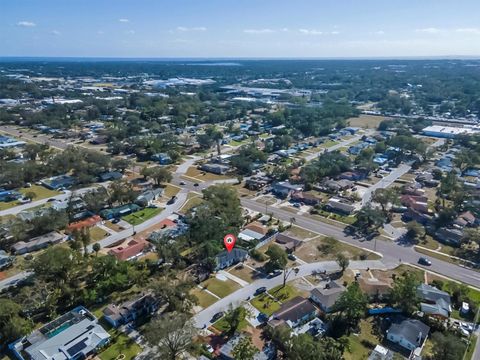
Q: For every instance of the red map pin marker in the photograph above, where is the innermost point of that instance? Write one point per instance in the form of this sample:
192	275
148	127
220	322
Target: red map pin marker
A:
229	241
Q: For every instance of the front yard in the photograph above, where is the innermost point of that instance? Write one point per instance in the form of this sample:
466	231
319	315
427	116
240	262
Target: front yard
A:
204	298
221	288
141	216
120	344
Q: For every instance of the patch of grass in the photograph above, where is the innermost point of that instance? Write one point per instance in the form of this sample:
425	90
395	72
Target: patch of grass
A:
366	121
39	191
284	293
222	324
114	227
358	349
265	304
141	216
191	203
244	273
219	287
471	348
198	174
436	255
203	297
97	233
301	233
120	344
171	190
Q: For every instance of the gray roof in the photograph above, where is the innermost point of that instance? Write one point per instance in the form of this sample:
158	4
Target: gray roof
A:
327	296
411	330
81	335
432	294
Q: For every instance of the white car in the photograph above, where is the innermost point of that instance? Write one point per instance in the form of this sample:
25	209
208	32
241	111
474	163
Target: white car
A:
209	348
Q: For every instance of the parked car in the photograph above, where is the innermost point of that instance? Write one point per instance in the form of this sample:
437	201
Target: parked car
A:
424	261
217	316
209	348
292	257
274	274
182	183
115	221
260	290
172	200
196	184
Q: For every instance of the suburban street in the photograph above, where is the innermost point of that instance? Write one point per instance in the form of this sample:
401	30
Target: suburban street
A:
385	182
235	299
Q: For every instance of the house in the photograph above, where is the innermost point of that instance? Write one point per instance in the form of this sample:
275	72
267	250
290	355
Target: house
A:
117	212
435	302
417	203
87	223
294	313
99	140
374	288
58	182
217	169
74	335
253	231
409	334
466	219
162	158
229	258
256	183
5	260
327	295
226	351
284	188
306	198
289	242
336	185
381	353
37	243
110	176
417	216
128	311
9	195
148	197
450	236
427	179
338	205
6	142
131	250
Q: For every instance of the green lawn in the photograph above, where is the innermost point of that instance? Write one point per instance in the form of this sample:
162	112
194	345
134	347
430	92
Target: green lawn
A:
219	287
357	349
204	298
98	234
141	216
120	344
284	293
40	192
301	233
191	203
471	348
222	324
265	304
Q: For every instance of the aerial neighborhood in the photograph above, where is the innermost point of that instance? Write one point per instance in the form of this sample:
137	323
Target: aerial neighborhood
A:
354	210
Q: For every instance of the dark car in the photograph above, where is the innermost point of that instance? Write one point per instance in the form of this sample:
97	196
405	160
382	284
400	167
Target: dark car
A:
115	221
274	274
217	316
260	290
172	200
424	261
292	257
196	184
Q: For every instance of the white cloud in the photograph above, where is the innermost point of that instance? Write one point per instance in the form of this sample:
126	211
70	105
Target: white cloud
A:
379	32
56	32
186	29
318	32
311	32
26	24
430	30
259	31
124	20
474	31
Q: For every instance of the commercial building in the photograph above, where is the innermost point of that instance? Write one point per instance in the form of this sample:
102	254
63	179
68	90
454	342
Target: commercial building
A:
448	132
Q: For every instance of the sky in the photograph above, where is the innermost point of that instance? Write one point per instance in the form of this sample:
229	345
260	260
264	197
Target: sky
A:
240	28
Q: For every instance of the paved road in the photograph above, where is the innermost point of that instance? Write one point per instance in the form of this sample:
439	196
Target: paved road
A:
248	291
385	182
392	251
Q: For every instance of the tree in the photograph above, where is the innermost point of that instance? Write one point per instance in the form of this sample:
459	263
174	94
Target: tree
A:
233	318
448	185
12	325
385	197
404	292
96	248
171	333
30	195
161	175
342	261
447	347
174	292
369	219
277	258
414	231
244	350
352	304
